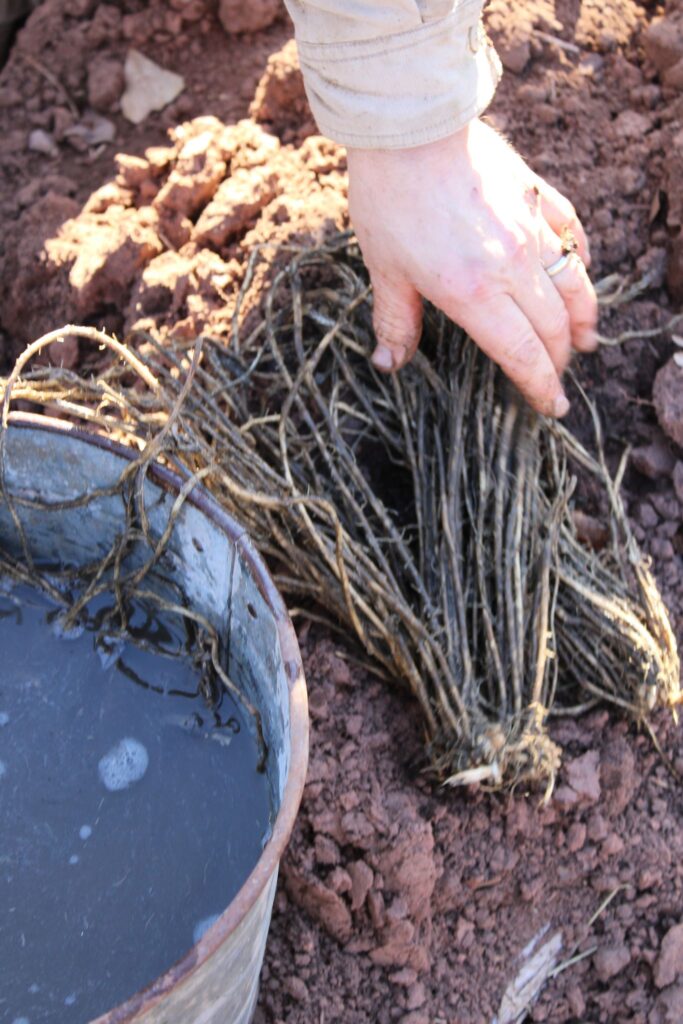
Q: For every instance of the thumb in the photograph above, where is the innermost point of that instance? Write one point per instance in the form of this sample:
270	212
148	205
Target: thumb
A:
397	320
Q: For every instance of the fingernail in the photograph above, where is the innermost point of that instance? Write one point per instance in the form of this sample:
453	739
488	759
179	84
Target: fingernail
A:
561	406
383	358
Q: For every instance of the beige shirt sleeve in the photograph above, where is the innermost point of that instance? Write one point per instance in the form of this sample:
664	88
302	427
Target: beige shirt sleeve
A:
390	74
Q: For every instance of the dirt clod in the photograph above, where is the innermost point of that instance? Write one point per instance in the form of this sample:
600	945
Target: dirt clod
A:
617	775
674	270
234	206
669	963
654	460
668	399
583	775
236	16
669	1007
663	41
105	82
610	960
280	99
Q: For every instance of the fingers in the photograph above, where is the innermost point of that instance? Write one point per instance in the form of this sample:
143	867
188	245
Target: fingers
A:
504	332
573	286
560	213
548	314
397	320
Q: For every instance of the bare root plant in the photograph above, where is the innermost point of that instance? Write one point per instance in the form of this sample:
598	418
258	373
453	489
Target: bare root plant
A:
428	513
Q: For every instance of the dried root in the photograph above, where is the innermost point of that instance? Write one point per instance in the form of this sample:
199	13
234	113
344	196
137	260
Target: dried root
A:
429	513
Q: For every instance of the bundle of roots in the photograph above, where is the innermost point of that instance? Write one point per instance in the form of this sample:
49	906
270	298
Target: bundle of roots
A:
428	513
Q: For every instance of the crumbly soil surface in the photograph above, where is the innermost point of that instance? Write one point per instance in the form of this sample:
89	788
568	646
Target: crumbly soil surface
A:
398	901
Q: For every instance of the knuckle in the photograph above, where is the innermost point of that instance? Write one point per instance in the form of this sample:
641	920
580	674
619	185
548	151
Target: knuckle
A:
514	246
393	327
571	214
559	323
475	286
567	212
574	286
565	208
523	353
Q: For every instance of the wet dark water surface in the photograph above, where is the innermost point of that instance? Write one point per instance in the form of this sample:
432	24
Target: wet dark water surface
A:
129	818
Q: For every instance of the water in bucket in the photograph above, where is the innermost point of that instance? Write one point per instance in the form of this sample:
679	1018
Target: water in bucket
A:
131	811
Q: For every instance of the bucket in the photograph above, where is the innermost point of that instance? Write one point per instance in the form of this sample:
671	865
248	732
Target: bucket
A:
212	560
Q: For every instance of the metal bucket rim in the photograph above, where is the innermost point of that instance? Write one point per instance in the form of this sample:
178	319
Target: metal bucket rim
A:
272	852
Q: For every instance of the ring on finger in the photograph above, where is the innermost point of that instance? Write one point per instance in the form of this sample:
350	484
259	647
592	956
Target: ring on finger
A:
570	250
558	265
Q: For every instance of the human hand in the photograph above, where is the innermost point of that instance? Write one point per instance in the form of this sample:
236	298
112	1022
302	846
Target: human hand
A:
467	224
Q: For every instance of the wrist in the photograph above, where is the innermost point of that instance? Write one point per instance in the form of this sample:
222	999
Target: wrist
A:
456	141
445	154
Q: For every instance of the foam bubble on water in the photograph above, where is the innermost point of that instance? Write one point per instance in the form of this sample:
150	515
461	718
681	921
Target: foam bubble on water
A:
21	1020
70	999
3	768
109	650
85	832
125	764
34	989
202	927
4	718
74	858
71	632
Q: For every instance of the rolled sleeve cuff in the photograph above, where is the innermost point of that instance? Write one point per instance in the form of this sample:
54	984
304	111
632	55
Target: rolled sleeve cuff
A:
402	90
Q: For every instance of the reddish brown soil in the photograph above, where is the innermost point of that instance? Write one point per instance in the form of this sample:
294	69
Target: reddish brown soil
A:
398	902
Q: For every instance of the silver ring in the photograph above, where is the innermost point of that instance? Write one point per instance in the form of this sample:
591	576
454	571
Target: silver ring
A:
559	264
570	247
